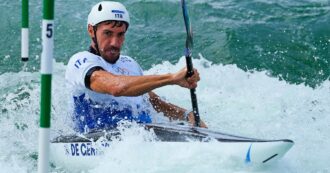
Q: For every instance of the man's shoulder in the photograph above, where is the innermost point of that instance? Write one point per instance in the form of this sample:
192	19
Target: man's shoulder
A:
82	57
83	54
81	62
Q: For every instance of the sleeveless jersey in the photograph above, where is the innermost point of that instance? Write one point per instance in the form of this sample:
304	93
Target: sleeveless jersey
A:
93	110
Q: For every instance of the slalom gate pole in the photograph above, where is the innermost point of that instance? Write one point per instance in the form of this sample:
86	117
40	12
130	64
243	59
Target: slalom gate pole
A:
46	82
25	31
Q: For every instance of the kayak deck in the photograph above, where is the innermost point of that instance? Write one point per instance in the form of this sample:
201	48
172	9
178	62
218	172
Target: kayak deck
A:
82	151
167	133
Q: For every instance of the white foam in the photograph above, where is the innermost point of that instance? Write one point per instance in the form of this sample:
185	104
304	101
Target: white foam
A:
231	100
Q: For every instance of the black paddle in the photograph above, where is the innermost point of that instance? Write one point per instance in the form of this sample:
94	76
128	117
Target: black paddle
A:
189	46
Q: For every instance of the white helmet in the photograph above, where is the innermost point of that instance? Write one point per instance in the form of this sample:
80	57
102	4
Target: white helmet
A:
107	10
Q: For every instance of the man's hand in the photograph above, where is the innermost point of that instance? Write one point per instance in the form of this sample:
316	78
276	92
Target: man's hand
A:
191	120
180	79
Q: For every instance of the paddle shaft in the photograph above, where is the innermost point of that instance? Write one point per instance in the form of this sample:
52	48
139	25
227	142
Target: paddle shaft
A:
190	69
192	91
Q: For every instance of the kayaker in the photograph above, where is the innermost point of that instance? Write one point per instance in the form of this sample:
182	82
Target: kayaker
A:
108	87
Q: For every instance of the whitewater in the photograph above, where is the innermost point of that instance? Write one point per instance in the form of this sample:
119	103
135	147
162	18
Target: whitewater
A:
231	100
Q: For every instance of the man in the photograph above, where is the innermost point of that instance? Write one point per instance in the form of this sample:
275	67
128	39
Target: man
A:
108	87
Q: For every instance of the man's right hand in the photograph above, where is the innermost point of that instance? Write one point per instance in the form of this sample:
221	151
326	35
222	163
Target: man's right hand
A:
180	79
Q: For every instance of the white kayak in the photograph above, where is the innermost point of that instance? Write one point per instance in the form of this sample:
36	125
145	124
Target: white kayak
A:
82	151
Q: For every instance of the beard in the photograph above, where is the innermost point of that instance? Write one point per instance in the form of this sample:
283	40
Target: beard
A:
110	54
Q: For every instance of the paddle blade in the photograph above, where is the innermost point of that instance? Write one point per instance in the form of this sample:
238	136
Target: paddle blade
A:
189	40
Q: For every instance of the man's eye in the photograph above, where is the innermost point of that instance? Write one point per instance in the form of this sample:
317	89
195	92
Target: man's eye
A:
107	33
121	34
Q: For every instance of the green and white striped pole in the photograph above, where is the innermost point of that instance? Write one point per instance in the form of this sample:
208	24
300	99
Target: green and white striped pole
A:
46	81
25	31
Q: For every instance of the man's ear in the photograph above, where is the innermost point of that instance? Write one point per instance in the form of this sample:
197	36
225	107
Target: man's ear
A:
90	31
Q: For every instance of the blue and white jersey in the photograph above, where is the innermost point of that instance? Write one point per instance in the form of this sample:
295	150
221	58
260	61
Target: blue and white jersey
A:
93	110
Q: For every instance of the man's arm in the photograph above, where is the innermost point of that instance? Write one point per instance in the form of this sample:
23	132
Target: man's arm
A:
119	85
170	110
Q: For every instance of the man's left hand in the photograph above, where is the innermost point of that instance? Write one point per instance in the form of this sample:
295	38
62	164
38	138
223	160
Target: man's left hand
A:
191	120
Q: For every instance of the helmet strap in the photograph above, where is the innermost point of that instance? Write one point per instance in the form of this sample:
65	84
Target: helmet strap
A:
95	41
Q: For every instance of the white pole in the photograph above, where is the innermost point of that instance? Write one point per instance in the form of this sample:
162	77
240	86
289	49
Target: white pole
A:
46	82
25	31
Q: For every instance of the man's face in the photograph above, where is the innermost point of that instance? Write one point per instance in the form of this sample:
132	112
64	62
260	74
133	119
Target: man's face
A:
110	38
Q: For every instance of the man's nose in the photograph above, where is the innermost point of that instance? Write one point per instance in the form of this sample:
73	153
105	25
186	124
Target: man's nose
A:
115	41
